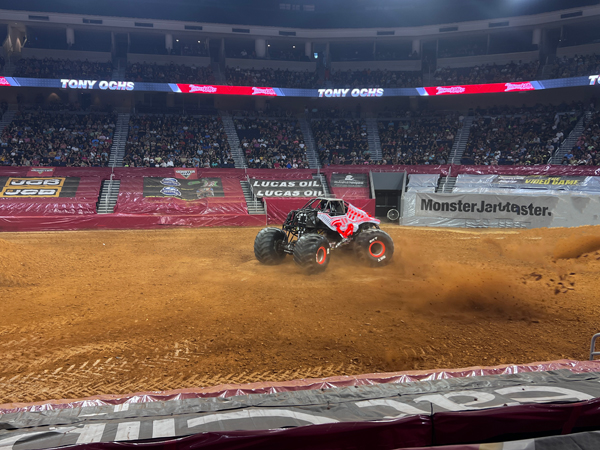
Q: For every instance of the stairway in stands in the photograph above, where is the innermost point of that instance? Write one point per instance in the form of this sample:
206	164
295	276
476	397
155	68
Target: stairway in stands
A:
109	192
571	139
119	66
460	141
219	75
373	139
255	204
326	191
117	151
234	141
445	185
311	149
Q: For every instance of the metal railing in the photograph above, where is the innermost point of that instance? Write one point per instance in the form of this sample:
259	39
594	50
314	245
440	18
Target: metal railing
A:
255	200
593	346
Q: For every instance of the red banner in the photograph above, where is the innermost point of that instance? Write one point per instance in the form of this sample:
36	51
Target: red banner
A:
480	88
227	90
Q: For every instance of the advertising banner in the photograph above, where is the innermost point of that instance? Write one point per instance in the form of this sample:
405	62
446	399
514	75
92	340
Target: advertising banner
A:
182	189
538	181
357	180
29	187
535	210
286	188
362	92
482	184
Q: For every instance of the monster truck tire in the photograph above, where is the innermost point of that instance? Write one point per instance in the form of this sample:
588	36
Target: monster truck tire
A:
268	246
374	247
311	253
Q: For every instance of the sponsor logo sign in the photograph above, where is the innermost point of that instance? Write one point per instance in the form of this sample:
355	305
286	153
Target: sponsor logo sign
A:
4	82
538	210
182	188
68	83
593	79
524	86
188	174
29	187
538	181
286	188
203	89
40	171
449	90
263	91
357	180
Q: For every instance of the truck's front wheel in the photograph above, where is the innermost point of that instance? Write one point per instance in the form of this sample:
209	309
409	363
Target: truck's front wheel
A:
311	253
374	247
268	246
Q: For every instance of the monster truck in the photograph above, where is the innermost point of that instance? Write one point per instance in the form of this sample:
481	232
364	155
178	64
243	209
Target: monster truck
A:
322	225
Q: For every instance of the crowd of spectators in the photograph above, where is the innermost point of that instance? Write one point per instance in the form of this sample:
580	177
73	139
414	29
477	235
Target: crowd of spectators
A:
63	68
169	73
585	151
267	77
529	137
426	140
40	138
374	79
177	141
488	73
578	66
272	143
341	141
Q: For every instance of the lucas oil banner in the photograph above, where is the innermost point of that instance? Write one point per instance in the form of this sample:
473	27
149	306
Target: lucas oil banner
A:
286	188
30	187
183	189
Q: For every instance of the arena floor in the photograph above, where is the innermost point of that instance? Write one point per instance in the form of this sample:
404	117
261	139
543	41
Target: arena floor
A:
111	312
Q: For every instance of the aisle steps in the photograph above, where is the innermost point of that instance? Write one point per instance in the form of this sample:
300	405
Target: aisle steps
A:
117	150
234	141
312	154
109	193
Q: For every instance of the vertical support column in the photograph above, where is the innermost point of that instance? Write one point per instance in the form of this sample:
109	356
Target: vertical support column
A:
536	39
169	42
308	49
260	47
70	37
487	50
113	43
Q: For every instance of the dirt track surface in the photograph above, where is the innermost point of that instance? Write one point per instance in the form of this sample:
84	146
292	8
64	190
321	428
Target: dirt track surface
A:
112	312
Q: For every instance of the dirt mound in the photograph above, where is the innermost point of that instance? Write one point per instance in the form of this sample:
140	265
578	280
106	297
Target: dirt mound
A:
575	246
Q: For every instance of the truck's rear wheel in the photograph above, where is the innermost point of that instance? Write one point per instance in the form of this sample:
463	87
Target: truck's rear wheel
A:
311	253
268	246
374	247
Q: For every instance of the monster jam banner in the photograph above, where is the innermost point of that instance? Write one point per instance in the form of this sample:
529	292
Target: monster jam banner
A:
30	187
189	190
286	188
501	211
350	180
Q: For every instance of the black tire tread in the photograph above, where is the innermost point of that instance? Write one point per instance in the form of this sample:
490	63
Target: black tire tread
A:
305	251
264	249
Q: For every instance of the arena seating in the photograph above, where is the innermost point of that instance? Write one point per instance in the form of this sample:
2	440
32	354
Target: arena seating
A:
177	141
341	141
170	73
272	143
266	77
578	66
57	139
426	140
63	68
375	78
527	137
487	74
585	151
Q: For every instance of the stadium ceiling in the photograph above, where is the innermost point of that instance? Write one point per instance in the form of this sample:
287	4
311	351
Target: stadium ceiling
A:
304	13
